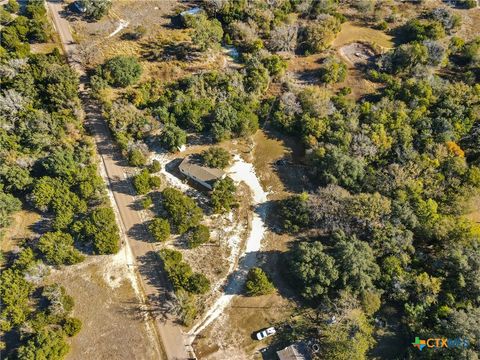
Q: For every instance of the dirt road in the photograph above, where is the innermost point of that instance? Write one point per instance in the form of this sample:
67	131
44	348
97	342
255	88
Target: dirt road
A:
171	342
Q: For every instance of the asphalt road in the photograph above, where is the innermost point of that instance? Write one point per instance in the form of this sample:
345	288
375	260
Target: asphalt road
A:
171	340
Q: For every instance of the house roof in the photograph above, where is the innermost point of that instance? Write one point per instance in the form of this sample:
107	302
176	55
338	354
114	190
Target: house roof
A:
296	351
199	172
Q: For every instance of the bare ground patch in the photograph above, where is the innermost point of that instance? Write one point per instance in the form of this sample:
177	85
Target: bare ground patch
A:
113	322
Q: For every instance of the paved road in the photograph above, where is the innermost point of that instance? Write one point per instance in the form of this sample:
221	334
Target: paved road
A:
152	282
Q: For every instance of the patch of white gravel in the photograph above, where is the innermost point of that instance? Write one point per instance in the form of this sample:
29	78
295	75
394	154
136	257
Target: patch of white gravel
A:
240	171
121	25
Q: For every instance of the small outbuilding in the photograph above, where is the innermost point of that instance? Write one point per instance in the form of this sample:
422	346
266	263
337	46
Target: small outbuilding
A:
203	175
296	351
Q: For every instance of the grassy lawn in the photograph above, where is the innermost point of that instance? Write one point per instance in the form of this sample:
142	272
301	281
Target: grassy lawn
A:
355	33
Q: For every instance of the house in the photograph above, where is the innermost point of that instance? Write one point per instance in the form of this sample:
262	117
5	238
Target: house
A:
203	175
296	351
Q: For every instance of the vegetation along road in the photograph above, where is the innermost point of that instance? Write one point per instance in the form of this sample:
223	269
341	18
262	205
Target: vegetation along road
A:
170	337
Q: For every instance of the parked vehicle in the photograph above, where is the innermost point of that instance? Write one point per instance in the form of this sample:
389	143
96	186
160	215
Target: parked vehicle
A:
262	334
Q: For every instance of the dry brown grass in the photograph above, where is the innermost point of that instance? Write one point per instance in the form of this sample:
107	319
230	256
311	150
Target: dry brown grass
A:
355	33
113	324
19	229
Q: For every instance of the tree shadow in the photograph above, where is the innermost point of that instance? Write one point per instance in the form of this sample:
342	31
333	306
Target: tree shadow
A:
167	51
140	232
150	267
122	186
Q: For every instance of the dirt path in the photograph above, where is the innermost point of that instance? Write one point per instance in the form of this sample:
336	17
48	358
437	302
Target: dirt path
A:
148	279
240	171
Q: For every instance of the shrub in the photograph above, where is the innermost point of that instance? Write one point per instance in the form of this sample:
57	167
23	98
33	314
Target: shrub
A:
223	195
46	344
258	283
197	236
154	167
141	182
198	284
72	326
121	71
101	229
96	9
173	137
316	36
57	247
216	157
12	6
183	211
146	202
333	70
155	182
294	213
136	158
160	229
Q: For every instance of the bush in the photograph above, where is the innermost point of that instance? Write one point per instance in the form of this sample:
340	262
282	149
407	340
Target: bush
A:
154	167
46	344
184	212
197	236
316	36
223	195
333	70
146	202
173	137
121	71
258	283
12	6
206	33
160	229
101	229
198	284
136	158
141	182
216	157
72	326
57	247
96	9
294	213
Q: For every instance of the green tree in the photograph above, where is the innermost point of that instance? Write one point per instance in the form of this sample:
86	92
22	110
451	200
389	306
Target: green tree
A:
96	9
206	33
314	269
136	158
258	283
46	344
200	234
316	36
61	87
183	211
121	70
14	295
58	249
154	167
12	6
9	204
143	182
101	229
160	229
349	338
294	213
216	157
172	137
198	284
356	263
223	195
72	326
333	70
